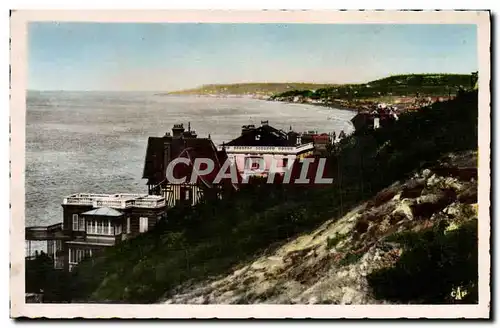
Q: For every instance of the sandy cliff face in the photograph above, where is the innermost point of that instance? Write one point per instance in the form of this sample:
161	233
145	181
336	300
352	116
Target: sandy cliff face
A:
330	265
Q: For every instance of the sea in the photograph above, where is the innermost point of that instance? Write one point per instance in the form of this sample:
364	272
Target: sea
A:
96	141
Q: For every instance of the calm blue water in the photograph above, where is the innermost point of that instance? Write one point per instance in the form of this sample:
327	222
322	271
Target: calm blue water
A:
96	142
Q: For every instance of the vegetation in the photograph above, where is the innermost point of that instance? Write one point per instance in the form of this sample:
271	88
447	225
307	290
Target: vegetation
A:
41	276
211	238
264	89
433	264
412	85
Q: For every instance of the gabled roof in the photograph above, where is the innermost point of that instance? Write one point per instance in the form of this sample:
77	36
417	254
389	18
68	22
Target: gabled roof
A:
155	165
362	116
264	135
103	211
201	148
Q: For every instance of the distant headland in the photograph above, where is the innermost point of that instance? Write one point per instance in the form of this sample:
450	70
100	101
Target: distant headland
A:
404	89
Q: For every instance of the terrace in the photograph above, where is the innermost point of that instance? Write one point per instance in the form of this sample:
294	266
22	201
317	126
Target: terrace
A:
268	149
121	201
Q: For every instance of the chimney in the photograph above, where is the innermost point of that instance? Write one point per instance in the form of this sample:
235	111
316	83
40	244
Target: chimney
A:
166	155
247	128
292	138
264	122
178	130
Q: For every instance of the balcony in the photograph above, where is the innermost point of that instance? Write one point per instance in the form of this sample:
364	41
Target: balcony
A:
268	149
120	201
52	232
102	240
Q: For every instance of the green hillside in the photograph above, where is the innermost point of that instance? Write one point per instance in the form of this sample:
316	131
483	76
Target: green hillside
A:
397	85
410	85
263	89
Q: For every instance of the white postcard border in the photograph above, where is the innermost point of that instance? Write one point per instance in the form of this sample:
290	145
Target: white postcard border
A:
19	308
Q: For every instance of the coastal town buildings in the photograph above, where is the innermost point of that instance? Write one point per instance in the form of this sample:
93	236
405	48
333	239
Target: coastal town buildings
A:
379	117
254	151
183	143
93	222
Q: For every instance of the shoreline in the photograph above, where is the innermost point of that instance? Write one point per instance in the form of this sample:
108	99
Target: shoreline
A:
332	105
327	105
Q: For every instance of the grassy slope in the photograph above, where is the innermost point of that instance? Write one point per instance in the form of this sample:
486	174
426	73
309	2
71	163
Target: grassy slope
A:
397	85
408	84
212	238
248	88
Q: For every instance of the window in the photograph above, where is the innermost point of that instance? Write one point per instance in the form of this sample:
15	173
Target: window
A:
77	255
118	229
75	222
128	225
78	223
99	227
143	224
185	194
81	224
285	162
254	162
90	227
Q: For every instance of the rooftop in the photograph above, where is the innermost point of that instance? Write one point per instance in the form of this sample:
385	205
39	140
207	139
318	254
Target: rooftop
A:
103	211
115	200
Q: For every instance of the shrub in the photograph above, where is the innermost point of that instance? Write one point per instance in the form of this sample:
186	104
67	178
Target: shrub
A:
432	264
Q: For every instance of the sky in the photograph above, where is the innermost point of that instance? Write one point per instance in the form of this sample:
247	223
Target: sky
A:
175	56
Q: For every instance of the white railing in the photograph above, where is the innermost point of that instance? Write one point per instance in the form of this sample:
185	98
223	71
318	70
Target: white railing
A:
112	203
149	203
78	201
121	201
91	195
306	146
267	149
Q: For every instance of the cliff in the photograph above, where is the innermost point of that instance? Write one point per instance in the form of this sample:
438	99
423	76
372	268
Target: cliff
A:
370	255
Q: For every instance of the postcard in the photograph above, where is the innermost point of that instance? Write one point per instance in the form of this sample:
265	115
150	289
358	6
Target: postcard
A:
250	164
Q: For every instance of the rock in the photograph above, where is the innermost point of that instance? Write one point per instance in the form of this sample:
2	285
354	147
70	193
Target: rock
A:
313	300
199	300
386	195
403	210
426	173
453	209
352	273
372	230
433	180
461	173
349	296
413	188
384	226
468	196
361	226
397	217
342	274
429	204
